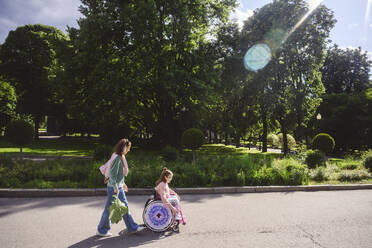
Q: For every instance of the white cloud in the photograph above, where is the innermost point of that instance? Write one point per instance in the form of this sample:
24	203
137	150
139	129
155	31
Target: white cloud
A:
240	15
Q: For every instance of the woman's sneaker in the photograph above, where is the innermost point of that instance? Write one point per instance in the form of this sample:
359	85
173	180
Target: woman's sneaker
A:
108	234
140	228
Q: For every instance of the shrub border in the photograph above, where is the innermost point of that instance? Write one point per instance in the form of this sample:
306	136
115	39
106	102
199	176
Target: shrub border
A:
10	193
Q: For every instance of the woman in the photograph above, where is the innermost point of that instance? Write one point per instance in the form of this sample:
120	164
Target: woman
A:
118	170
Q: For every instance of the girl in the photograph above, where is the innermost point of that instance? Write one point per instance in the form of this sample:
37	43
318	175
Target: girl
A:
115	184
168	196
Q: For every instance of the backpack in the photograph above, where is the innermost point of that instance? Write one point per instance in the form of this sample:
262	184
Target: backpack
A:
105	169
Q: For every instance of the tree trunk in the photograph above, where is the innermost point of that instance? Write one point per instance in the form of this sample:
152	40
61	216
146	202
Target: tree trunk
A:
37	124
237	140
285	141
264	133
20	153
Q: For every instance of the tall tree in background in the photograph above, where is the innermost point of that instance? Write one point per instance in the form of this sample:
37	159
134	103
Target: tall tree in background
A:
294	71
346	70
27	57
152	73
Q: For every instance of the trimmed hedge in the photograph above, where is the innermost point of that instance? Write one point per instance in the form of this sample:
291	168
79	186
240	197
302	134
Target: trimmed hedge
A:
323	142
19	132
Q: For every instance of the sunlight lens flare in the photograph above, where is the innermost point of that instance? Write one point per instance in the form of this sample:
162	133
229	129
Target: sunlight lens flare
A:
368	11
257	57
313	4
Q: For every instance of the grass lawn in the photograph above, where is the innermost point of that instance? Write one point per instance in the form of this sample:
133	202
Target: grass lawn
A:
52	147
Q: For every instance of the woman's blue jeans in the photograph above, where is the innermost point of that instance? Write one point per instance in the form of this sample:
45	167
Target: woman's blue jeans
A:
105	224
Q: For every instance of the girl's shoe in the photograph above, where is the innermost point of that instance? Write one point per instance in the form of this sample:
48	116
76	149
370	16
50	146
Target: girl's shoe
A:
176	227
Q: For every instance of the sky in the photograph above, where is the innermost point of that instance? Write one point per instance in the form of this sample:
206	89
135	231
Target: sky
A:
353	27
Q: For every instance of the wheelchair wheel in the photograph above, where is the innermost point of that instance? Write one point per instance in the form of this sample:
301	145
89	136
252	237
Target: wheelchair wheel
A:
157	217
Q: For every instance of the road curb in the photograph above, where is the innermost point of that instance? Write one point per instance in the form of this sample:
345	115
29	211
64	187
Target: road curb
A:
10	193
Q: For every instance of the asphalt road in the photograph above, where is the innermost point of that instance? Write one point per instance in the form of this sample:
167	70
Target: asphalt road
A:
298	219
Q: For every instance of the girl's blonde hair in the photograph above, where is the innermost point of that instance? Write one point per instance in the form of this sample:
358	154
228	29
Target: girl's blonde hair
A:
165	173
119	147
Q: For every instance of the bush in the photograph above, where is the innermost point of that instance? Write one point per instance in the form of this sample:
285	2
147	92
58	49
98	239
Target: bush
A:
367	160
323	142
19	132
319	174
354	175
273	140
192	138
314	158
290	139
170	153
102	152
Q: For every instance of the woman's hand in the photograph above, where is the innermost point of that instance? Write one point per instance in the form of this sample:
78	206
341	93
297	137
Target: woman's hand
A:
116	191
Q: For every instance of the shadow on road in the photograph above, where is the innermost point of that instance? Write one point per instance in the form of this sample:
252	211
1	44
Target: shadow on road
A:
123	240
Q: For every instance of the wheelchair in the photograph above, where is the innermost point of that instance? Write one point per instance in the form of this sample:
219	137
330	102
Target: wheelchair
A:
158	217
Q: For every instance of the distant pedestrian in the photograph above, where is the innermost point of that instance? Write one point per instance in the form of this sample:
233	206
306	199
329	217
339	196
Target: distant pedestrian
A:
119	169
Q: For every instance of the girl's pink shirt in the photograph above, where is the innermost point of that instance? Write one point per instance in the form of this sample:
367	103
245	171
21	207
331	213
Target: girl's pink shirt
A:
164	192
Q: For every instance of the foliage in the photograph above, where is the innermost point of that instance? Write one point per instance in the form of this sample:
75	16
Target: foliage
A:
292	77
353	175
367	160
323	142
8	100
170	153
282	172
102	152
192	138
315	158
273	140
348	117
345	70
117	210
19	132
319	174
29	61
291	141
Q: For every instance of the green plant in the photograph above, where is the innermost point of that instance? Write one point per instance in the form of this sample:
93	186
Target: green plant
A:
273	140
314	158
323	142
117	210
170	153
354	175
192	138
290	139
20	133
102	152
367	160
319	174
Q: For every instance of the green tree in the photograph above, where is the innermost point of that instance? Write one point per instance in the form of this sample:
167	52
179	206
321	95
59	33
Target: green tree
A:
293	75
20	133
8	100
27	58
346	71
153	74
192	138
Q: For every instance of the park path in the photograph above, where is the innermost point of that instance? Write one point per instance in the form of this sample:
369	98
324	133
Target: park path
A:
294	219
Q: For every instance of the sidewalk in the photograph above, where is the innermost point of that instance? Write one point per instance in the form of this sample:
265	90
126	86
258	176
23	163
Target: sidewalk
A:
148	191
